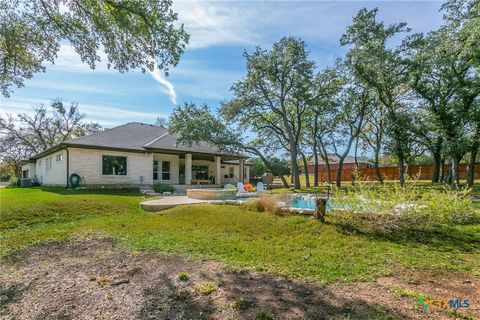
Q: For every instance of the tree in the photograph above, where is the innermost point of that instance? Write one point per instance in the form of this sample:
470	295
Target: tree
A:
133	34
274	95
326	86
382	69
373	133
257	168
463	21
349	122
40	131
279	166
445	78
161	122
195	124
464	16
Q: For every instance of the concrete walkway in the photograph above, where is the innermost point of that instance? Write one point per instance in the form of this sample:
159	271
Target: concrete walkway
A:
168	202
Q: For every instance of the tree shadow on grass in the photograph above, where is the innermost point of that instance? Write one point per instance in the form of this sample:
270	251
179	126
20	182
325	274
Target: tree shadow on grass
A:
163	300
253	296
447	239
79	192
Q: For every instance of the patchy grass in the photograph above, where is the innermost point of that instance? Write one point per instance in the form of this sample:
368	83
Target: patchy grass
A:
205	288
407	293
183	276
290	245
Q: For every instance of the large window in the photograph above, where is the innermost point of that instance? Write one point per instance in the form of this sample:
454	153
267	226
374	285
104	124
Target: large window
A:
116	166
165	170
231	173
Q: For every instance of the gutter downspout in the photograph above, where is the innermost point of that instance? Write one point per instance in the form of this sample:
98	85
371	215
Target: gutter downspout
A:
68	168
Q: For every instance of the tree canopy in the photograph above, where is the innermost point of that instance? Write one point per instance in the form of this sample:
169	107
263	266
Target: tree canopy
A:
24	135
132	34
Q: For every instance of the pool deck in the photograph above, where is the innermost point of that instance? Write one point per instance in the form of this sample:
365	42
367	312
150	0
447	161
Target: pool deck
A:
168	202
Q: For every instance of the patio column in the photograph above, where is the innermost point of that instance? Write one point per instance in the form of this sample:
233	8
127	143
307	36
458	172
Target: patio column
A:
188	168
241	164
218	170
247	173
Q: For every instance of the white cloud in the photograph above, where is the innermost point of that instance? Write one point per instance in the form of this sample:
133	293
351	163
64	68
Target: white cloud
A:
252	23
156	74
107	116
213	23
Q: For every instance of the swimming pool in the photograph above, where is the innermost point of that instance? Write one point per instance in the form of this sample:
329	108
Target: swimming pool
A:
306	202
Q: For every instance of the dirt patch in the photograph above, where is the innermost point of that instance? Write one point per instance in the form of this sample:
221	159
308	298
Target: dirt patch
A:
95	279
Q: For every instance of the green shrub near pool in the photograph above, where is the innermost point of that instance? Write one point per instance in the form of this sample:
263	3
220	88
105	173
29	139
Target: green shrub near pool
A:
163	187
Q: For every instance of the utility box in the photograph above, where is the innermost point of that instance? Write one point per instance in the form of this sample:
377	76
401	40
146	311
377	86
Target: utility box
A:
25	182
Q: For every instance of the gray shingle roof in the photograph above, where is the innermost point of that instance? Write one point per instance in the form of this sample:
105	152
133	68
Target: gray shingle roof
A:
135	136
168	141
132	136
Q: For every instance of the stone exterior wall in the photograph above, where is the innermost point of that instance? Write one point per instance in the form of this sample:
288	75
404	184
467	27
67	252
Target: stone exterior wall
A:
87	163
51	170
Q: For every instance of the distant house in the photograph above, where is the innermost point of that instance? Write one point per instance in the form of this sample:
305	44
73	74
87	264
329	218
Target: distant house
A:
134	154
348	163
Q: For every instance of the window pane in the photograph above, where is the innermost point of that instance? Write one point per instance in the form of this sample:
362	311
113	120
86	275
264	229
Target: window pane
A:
165	175
165	166
114	165
165	170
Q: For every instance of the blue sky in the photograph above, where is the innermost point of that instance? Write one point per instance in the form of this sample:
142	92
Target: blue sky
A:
220	32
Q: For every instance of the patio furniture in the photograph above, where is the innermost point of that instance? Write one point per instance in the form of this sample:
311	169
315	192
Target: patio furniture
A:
260	187
240	187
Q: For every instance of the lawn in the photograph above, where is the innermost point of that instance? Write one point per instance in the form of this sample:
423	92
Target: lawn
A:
294	246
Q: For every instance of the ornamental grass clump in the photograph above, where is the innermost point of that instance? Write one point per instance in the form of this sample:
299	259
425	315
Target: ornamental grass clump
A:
274	204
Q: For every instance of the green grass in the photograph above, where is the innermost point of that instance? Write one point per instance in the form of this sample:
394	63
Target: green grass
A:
292	245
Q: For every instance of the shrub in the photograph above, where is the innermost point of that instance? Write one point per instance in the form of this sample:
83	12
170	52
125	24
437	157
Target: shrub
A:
163	187
389	208
14	182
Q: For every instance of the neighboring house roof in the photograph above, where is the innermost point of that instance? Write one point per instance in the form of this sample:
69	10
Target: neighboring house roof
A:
134	136
333	159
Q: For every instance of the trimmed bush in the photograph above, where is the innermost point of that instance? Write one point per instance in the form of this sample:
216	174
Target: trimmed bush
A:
14	182
163	187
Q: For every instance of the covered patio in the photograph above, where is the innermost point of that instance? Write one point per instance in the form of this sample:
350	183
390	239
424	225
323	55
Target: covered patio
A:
198	169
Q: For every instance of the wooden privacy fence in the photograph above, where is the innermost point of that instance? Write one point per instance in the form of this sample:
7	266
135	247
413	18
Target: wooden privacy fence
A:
391	173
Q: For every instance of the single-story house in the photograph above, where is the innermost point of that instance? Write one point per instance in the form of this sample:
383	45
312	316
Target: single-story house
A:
348	163
134	155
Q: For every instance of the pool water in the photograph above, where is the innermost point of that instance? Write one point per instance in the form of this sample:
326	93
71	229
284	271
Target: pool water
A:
302	203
